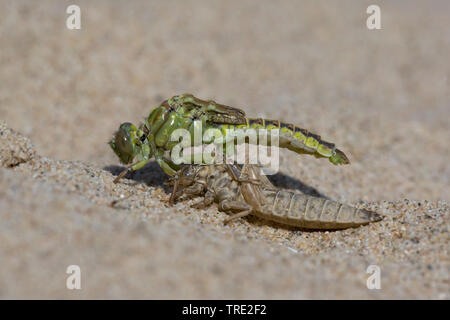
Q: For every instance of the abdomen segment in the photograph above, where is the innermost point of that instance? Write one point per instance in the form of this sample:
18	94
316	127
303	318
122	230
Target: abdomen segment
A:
293	138
300	210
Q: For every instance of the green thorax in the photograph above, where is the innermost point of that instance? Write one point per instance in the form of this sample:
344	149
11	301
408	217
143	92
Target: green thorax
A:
180	112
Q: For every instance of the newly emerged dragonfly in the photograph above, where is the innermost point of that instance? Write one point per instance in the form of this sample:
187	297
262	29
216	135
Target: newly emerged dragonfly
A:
246	191
135	146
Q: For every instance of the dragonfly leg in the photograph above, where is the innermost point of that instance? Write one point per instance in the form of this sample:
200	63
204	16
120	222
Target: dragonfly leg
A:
189	192
228	205
231	170
206	202
175	192
237	216
165	165
174	166
133	167
121	175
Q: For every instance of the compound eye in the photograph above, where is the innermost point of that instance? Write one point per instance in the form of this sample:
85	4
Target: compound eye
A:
126	126
123	143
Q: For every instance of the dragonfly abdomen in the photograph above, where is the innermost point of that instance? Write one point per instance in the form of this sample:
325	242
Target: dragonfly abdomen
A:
293	138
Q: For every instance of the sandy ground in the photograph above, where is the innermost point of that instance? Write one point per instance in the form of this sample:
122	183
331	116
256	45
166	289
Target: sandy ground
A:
382	96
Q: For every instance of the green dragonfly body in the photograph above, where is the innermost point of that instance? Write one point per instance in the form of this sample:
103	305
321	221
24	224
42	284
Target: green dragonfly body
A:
152	138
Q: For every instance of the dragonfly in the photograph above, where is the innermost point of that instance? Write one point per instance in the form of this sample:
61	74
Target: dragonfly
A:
137	145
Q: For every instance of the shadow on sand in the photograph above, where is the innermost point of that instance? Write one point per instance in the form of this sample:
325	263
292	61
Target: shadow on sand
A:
152	175
283	181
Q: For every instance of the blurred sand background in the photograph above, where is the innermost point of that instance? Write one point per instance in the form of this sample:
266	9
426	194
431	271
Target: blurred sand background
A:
382	96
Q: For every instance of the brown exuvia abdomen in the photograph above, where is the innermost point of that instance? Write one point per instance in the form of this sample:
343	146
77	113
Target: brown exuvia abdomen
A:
300	210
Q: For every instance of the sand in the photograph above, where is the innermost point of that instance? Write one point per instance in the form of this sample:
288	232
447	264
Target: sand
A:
382	96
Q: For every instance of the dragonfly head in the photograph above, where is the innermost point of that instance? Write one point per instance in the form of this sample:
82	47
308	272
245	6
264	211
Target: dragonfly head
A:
129	142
